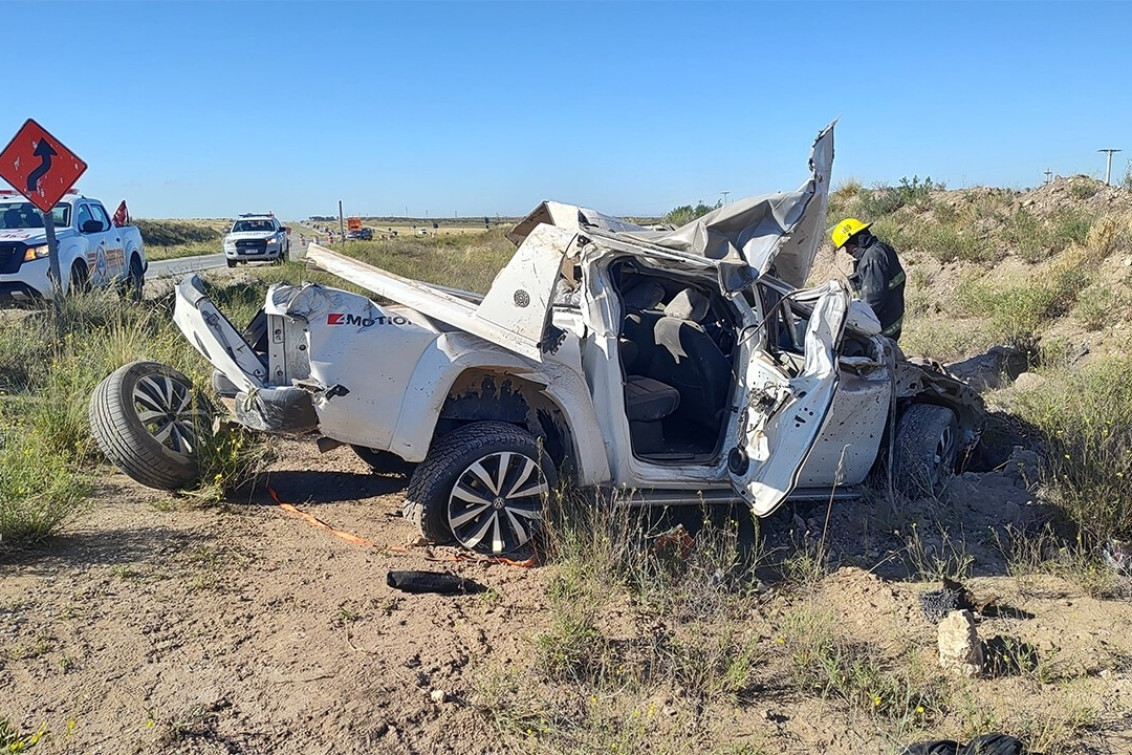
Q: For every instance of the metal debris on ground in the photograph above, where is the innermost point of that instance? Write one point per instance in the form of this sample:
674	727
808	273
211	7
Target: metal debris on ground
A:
427	581
987	744
953	596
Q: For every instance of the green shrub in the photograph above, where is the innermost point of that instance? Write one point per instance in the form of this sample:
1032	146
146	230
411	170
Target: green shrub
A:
38	490
1086	422
1100	306
160	233
1082	187
827	665
684	214
1035	239
886	200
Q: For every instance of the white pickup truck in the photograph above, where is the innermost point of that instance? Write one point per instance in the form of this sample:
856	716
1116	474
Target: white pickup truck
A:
92	250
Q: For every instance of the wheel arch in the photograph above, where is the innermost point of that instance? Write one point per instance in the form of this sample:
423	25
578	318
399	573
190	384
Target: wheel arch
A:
459	362
481	394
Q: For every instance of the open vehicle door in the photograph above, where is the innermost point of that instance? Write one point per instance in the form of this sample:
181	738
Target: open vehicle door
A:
781	417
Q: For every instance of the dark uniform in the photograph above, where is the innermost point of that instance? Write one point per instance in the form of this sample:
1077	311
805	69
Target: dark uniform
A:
878	279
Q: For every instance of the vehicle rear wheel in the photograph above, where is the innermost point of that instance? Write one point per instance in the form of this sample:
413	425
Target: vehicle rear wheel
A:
135	280
146	420
483	485
383	462
927	444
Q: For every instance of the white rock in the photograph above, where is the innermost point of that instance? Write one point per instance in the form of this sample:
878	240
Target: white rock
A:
959	647
438	696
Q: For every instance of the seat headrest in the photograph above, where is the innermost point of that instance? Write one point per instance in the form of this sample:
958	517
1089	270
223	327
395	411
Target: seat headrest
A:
646	294
689	304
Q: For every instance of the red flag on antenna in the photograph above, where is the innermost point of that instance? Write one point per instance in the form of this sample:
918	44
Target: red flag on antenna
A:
122	216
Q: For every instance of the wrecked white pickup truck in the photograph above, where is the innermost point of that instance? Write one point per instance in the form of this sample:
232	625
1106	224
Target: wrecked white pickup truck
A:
678	367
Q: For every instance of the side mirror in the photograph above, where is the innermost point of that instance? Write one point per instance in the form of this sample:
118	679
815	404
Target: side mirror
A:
92	226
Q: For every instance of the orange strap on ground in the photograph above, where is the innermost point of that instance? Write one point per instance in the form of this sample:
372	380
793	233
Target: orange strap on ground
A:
349	538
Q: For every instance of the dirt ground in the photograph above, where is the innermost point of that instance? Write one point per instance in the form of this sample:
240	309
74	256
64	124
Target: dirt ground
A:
147	627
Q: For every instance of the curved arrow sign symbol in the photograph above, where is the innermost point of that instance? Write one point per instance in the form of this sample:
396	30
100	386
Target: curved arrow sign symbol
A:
44	152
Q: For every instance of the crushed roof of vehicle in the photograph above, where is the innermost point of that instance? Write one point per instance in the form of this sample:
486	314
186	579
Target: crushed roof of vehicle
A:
778	232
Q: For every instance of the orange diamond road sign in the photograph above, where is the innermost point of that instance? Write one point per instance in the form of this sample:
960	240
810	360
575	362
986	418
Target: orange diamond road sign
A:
39	166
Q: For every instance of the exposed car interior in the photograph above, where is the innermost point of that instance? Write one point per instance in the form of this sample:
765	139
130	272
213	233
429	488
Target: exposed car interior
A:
677	348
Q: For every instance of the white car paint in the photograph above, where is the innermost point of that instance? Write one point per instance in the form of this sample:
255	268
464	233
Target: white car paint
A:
546	348
269	235
104	254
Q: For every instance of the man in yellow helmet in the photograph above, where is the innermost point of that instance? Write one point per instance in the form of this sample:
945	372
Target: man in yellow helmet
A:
878	278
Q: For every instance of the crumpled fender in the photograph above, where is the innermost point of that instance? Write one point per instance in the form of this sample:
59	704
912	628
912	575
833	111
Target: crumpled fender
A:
286	410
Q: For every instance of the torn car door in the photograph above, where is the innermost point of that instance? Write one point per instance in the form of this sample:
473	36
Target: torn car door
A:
780	417
215	338
515	313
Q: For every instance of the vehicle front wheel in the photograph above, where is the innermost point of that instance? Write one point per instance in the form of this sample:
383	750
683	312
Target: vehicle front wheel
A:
145	419
80	280
231	263
927	444
483	485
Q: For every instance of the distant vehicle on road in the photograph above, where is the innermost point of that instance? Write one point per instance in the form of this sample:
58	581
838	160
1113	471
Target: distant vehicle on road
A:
257	237
92	250
361	234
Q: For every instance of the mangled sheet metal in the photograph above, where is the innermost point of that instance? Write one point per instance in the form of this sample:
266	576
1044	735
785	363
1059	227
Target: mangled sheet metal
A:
752	236
515	313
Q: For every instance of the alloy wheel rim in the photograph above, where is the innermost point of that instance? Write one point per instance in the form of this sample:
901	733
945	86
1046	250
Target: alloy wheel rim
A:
942	453
496	504
165	408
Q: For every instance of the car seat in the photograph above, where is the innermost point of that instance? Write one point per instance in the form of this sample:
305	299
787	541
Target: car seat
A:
690	361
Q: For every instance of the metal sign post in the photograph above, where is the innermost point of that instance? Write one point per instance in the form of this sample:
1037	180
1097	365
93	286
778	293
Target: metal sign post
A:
53	258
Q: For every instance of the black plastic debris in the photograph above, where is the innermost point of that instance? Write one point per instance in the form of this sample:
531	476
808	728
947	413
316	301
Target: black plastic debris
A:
988	744
430	581
953	596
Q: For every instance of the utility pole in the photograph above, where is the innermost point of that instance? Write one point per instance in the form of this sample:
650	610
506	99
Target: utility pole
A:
1108	167
1048	174
341	226
724	193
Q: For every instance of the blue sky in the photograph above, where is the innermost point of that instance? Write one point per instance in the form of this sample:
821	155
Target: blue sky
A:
210	109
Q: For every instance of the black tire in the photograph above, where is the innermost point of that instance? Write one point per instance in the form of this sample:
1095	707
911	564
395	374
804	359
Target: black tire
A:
231	263
451	495
384	462
134	284
80	279
927	444
145	419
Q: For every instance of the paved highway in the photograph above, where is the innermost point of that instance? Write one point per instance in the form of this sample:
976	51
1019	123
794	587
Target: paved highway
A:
184	265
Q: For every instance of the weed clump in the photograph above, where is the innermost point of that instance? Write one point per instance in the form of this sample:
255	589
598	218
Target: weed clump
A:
1088	444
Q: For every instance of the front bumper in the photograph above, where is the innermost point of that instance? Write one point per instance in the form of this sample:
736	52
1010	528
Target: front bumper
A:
29	284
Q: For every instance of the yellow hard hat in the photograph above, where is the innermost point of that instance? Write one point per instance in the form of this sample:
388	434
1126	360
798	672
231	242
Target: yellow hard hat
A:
845	230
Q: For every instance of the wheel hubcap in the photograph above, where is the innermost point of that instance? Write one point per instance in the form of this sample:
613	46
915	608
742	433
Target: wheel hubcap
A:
165	408
496	503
